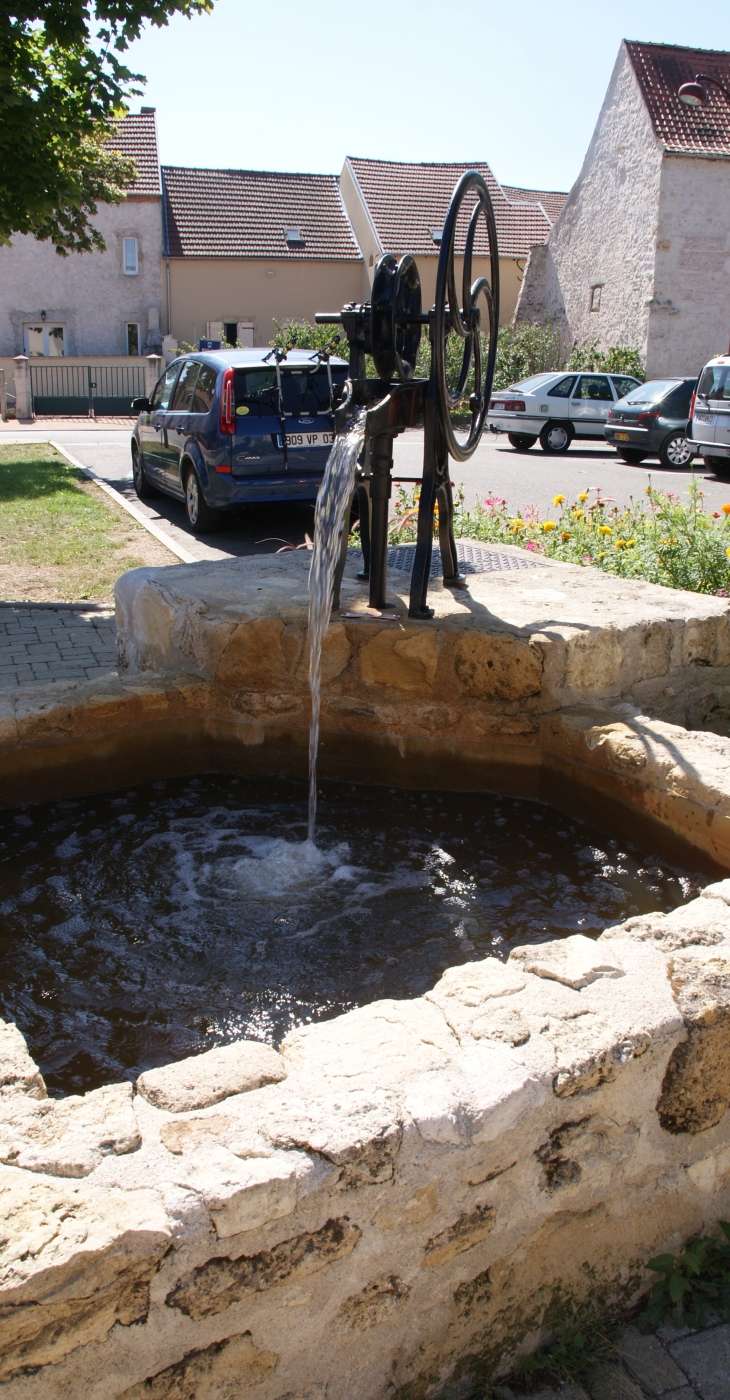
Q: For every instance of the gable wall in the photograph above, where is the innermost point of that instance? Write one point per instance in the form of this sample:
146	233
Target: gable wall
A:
606	232
87	292
690	312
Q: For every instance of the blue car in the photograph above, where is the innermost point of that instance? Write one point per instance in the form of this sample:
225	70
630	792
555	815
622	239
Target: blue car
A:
236	427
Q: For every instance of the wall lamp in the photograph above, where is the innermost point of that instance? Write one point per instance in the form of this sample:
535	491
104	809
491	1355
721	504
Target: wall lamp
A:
694	94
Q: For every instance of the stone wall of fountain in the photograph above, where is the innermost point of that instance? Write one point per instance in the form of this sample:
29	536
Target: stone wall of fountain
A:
389	1205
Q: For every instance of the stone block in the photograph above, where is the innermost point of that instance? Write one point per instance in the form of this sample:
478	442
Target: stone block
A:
575	961
202	1080
244	1195
72	1265
705	1359
374	1304
696	1090
222	1371
498	666
593	662
68	1137
19	1074
649	1363
403	662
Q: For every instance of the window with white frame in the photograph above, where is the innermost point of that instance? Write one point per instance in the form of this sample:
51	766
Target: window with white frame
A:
133	338
43	338
130	257
595	303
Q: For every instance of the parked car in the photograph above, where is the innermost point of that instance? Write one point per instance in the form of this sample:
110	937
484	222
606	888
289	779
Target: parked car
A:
652	422
556	408
232	427
709	426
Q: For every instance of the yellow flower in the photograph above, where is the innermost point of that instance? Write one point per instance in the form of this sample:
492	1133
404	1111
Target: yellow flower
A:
549	525
604	529
602	554
579	515
565	535
558	501
583	496
517	524
725	509
629	543
727	551
620	544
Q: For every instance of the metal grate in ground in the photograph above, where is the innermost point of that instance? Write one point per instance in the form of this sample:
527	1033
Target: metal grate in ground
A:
47	643
473	559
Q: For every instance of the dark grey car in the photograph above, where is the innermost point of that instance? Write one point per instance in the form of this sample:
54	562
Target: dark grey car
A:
652	422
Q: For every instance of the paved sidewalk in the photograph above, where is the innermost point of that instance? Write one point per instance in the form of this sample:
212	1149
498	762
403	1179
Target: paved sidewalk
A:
48	643
668	1365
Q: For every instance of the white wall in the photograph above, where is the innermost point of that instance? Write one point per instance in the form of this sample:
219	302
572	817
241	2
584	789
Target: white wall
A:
690	310
87	292
606	232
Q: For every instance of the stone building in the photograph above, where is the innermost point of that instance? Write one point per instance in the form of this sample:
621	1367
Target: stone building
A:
93	304
399	207
640	254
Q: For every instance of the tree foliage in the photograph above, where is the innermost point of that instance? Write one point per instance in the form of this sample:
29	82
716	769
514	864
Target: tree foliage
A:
62	82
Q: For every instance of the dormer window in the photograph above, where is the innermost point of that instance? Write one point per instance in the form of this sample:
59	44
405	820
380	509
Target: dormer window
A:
436	234
294	237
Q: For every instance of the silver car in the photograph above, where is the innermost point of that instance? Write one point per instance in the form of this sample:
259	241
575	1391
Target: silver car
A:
556	408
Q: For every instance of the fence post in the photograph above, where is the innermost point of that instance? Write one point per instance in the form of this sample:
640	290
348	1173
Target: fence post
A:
152	369
23	390
3	397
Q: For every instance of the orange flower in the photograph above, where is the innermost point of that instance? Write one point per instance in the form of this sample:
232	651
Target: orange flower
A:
725	509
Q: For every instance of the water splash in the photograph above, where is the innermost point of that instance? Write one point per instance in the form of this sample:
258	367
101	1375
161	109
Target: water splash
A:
333	499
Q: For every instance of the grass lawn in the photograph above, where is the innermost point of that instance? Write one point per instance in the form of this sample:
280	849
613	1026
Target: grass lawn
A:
61	538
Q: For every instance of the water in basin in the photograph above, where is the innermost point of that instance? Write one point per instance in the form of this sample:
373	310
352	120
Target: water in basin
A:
148	924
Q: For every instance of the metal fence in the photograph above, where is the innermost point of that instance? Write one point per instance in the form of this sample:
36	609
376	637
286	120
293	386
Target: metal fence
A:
85	391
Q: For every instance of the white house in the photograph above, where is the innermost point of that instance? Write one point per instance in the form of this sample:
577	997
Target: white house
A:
93	304
640	254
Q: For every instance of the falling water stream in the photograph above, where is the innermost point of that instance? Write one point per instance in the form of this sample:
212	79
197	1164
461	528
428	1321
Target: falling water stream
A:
333	500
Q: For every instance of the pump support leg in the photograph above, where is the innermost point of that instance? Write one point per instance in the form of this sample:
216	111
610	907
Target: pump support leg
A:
381	485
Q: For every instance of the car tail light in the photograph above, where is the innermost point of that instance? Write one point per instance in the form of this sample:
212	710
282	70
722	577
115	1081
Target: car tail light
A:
512	405
610	415
692	406
647	420
228	415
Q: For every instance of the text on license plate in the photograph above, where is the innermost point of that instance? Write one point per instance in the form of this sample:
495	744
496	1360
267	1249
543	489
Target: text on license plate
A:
705	417
306	440
621	437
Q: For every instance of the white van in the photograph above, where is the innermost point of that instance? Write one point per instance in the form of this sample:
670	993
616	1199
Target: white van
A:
708	430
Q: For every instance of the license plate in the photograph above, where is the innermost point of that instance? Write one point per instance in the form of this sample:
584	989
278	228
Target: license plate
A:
705	417
622	437
306	440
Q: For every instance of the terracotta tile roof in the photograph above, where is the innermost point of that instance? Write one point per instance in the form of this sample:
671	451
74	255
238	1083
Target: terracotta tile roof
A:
660	70
136	137
405	201
244	214
552	201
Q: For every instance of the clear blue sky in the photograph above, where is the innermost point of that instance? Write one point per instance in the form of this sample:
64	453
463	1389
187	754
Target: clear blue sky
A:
291	85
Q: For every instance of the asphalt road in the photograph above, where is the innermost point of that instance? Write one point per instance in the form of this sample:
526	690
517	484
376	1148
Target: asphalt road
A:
524	479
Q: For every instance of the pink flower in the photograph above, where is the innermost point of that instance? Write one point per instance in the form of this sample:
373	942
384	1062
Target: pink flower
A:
531	545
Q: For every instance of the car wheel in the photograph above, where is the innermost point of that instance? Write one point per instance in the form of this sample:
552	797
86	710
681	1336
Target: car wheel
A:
522	442
201	519
675	451
556	437
142	485
630	455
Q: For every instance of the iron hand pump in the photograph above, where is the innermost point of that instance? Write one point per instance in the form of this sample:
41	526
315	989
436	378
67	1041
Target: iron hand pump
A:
389	327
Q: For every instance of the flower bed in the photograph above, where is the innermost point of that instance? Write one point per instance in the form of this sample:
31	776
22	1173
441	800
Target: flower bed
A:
658	539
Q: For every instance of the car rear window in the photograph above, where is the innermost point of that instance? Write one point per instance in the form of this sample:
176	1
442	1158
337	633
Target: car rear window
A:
678	401
714	383
651	392
526	386
623	384
305	392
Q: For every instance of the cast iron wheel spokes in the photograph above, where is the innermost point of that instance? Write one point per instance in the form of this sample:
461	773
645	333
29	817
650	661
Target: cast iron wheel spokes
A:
465	321
395	330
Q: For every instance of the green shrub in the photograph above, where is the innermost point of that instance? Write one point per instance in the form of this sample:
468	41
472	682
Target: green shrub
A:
619	359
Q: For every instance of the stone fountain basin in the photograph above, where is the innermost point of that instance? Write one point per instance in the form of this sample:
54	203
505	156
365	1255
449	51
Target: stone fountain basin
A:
390	1204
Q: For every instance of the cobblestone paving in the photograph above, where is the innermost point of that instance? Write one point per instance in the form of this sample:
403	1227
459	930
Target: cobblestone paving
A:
670	1365
40	643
